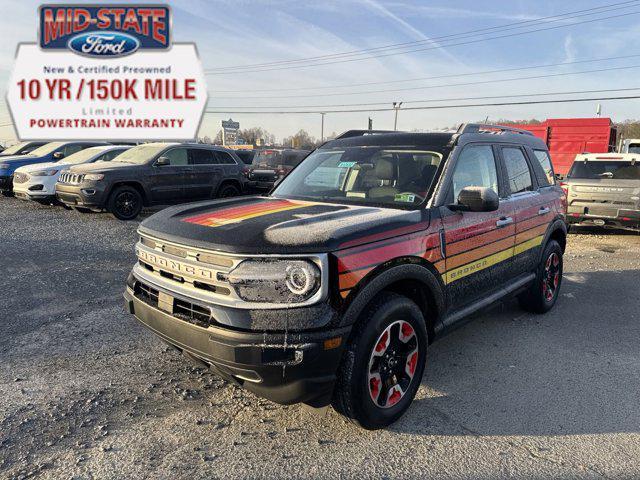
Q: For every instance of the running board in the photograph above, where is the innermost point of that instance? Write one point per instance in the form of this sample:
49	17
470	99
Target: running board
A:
455	318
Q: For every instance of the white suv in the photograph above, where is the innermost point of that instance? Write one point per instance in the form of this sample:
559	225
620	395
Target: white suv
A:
38	182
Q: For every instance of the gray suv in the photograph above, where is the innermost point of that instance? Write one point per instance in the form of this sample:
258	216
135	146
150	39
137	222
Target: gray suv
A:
604	190
152	174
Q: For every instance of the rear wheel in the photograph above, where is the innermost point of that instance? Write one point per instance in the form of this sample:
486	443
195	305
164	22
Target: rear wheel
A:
383	365
228	190
543	293
125	203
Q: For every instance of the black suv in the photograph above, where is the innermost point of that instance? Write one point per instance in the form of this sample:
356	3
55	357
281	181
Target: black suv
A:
152	174
330	289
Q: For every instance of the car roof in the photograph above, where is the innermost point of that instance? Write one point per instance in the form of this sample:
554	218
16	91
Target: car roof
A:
393	139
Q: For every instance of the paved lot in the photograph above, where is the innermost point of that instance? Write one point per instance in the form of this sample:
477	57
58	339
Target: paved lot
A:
87	393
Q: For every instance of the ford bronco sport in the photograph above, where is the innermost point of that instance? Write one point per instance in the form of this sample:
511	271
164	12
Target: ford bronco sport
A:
330	289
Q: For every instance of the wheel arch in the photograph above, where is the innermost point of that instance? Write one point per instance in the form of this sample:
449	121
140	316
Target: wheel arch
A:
557	231
412	277
134	184
228	181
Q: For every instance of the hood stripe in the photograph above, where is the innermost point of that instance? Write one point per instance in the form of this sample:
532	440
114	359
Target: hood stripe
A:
238	214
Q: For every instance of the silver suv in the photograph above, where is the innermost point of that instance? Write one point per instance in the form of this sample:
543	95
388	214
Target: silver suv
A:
604	190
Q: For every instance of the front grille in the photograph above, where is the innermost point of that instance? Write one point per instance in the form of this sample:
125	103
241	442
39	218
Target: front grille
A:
180	309
71	178
20	177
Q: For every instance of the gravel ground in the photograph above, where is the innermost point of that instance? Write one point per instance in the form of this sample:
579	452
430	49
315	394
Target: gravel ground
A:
85	392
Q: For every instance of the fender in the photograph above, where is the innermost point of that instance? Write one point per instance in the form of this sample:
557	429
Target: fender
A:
556	225
387	275
147	198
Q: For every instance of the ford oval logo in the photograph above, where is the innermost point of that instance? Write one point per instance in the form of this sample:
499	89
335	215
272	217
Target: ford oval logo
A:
104	44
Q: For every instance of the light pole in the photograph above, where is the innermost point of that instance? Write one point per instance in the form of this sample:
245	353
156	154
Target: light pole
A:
322	127
396	107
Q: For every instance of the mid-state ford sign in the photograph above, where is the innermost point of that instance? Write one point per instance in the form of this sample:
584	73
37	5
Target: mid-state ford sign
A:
104	30
107	72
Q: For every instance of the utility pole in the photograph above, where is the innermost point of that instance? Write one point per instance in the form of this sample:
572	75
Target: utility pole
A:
370	127
322	127
396	107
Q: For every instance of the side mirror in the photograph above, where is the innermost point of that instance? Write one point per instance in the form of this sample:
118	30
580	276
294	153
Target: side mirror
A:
162	162
58	155
477	199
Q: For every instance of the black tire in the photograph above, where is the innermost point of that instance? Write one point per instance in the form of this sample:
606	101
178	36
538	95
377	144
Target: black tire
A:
125	203
228	190
543	293
7	193
354	392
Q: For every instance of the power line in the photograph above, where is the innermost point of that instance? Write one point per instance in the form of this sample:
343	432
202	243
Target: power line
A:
442	85
228	70
454	99
434	107
432	39
435	77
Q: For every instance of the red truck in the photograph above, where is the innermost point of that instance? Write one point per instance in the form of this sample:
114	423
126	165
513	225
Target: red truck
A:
568	137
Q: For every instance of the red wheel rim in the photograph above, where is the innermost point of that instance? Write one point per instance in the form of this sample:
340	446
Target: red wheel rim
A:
551	277
392	364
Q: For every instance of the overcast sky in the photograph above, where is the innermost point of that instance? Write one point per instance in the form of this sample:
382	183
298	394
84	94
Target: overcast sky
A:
241	32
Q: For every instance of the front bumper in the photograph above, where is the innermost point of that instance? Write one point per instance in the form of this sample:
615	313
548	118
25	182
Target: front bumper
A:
6	183
35	189
87	196
284	367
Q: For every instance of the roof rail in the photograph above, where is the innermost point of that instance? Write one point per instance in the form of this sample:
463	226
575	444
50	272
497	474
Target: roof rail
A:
361	133
491	129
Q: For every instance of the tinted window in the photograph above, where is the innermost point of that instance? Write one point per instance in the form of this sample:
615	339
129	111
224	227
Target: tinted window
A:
476	167
201	156
518	172
246	155
634	148
106	157
605	169
224	158
177	156
71	149
545	163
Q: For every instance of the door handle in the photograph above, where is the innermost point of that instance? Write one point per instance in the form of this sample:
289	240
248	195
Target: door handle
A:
504	221
544	210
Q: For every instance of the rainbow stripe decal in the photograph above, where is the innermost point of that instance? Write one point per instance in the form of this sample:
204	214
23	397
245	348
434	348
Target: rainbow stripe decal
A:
227	216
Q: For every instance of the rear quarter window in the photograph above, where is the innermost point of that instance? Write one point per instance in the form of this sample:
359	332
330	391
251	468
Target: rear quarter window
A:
544	160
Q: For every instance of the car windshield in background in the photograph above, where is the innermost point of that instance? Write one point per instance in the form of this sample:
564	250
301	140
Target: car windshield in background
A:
13	149
395	177
141	154
267	158
83	155
47	149
634	148
605	169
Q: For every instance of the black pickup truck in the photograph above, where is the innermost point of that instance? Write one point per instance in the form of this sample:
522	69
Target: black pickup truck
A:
330	289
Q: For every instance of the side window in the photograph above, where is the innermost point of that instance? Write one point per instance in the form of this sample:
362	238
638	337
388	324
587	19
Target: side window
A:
200	156
224	158
177	156
518	173
476	167
108	156
73	148
545	163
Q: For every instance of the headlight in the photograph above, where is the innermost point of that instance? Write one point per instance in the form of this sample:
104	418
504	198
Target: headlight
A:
94	177
275	281
44	173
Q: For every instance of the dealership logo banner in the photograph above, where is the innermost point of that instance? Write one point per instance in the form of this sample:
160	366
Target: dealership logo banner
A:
106	72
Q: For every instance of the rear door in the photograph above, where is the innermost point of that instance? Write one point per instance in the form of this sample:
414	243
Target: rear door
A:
533	207
167	184
478	245
206	172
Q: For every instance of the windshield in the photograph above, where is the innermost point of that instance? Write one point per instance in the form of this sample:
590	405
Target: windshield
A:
141	153
267	158
47	148
13	149
394	177
83	155
605	169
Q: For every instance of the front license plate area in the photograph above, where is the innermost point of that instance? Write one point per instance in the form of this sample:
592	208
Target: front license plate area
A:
165	302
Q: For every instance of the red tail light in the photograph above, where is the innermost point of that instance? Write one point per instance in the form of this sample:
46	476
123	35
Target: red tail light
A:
246	171
565	197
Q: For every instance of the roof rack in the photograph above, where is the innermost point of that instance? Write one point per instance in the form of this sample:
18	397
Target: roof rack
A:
362	133
490	129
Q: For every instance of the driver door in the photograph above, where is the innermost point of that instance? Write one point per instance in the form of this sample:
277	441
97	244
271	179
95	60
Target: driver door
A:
478	245
168	181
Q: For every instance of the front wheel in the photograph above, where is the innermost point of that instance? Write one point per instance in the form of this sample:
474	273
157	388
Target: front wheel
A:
543	293
125	203
383	365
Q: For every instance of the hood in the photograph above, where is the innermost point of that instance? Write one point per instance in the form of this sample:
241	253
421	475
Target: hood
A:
103	167
17	158
41	166
254	225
